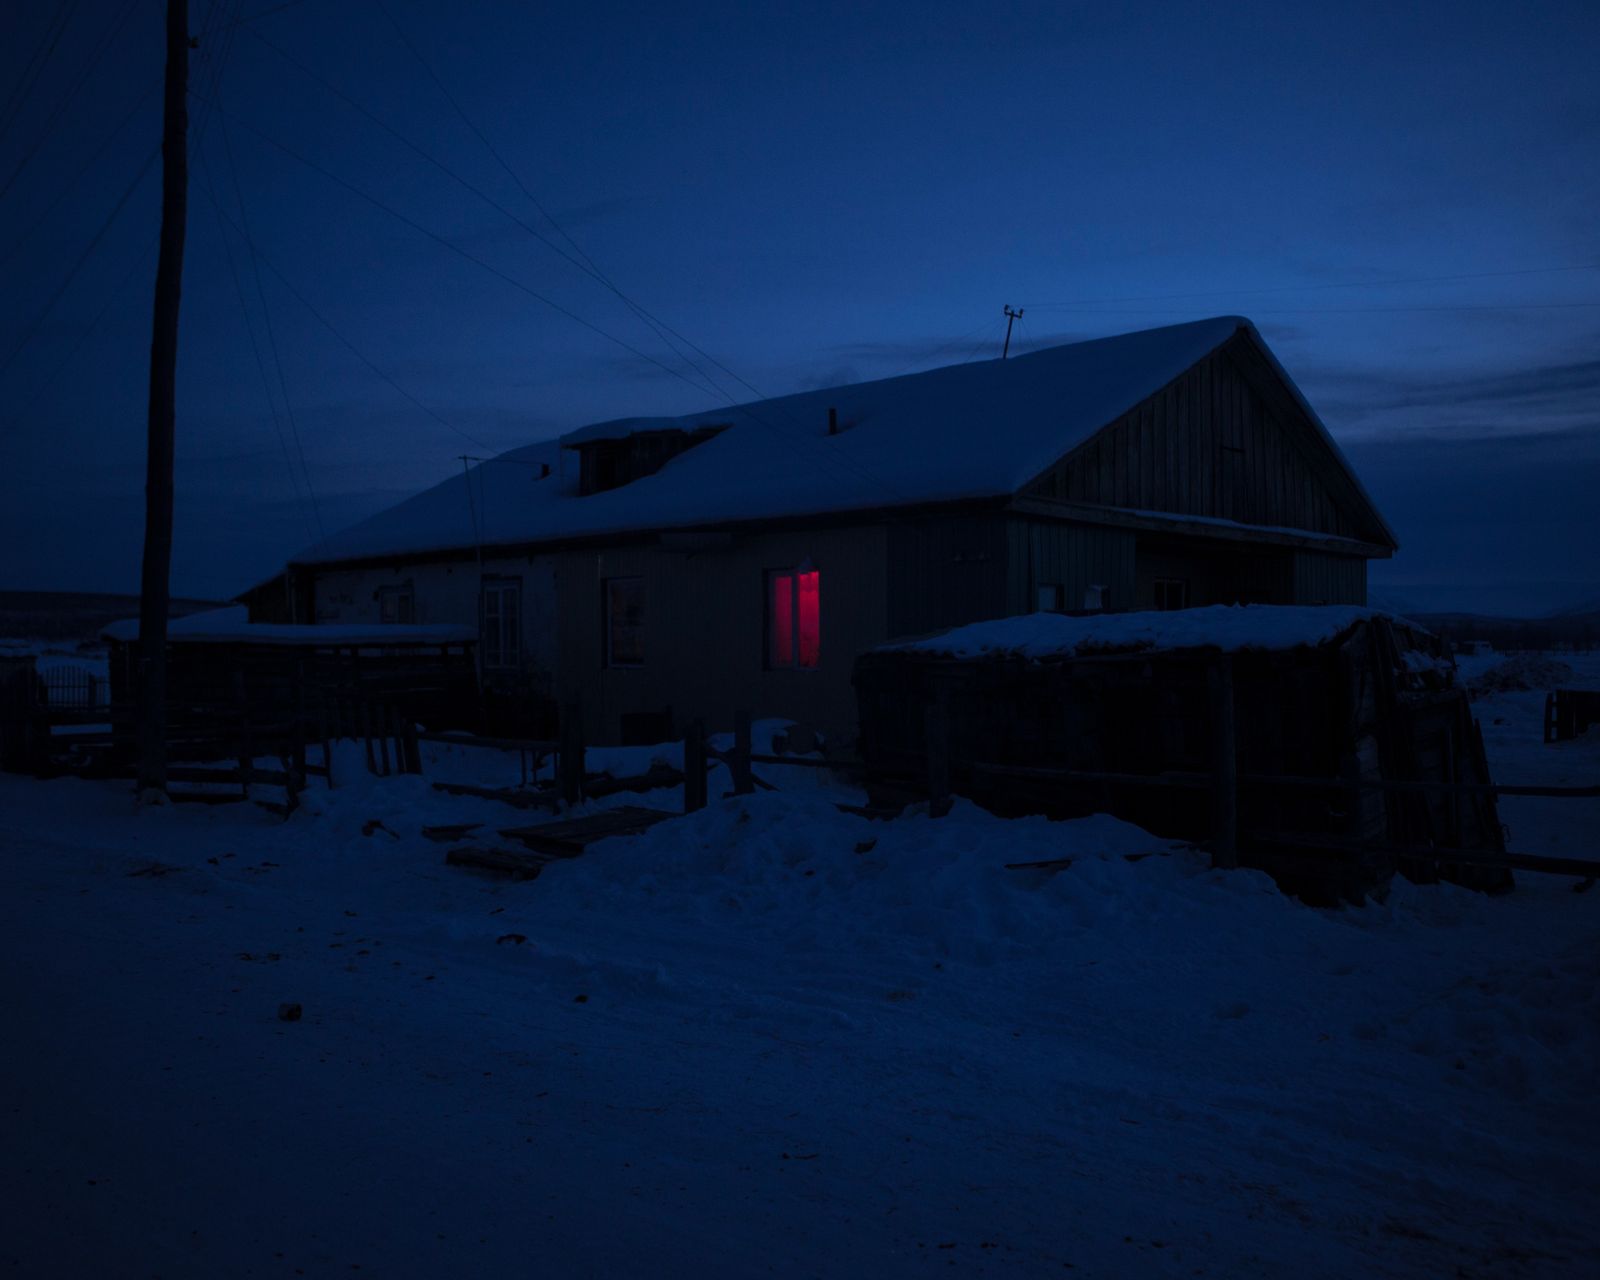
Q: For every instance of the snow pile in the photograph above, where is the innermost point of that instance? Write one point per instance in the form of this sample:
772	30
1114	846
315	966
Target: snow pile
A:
793	869
1229	628
1521	672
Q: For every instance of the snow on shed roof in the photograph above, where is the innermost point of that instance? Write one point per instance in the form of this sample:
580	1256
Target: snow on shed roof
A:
232	626
978	430
1228	628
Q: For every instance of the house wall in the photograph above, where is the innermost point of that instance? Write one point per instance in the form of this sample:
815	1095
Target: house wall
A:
1071	556
946	570
705	630
1329	579
1210	444
447	591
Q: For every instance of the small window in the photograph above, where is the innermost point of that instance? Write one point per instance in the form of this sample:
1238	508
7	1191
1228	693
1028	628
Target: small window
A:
1172	593
1096	597
395	605
1051	598
794	617
502	622
624	622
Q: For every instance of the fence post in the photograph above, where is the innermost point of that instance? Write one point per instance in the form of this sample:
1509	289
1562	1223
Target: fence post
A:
936	732
1225	765
694	767
408	726
570	762
739	763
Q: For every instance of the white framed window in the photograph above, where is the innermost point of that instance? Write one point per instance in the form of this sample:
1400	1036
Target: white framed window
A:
1096	596
1172	593
501	622
396	604
1049	597
624	622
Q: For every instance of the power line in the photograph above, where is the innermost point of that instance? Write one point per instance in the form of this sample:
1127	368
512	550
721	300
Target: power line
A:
83	257
44	216
586	267
837	463
48	41
209	191
351	347
111	300
672	337
54	118
661	329
272	341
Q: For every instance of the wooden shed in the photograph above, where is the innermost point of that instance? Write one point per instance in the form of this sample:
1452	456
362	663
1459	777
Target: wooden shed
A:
1333	710
228	677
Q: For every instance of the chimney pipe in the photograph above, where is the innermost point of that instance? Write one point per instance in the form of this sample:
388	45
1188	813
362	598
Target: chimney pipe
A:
833	421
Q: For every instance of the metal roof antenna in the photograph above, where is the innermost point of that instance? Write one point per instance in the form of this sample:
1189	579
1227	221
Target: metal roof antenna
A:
1011	317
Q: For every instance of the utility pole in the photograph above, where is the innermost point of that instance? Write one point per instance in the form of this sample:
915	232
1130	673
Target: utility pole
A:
1011	316
155	581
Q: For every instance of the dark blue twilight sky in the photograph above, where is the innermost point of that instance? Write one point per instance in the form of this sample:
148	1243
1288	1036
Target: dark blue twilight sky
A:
1404	198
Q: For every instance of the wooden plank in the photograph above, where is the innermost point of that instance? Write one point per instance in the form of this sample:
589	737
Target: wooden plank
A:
449	832
535	799
571	836
1587	868
520	863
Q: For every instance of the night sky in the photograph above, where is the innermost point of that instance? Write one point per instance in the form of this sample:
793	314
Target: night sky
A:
1404	199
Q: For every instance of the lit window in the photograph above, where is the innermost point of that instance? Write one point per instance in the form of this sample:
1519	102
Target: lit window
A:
624	622
794	617
502	622
1172	593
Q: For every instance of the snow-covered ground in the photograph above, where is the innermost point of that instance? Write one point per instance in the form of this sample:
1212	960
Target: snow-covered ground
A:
772	1038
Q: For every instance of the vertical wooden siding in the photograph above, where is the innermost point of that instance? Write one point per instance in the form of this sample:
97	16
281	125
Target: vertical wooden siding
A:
1071	556
944	571
705	629
1207	445
1329	579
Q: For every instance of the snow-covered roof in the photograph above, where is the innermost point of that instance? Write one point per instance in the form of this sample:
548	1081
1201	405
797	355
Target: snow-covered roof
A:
1228	628
978	430
233	626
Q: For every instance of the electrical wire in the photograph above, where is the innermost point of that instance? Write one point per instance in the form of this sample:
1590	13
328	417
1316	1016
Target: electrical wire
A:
333	329
48	41
83	257
124	117
586	267
54	118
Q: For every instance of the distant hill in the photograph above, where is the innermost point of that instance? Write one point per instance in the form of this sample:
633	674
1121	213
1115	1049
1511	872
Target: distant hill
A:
1580	631
74	616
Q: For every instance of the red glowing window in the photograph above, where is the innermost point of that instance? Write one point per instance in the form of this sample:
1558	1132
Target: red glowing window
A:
794	617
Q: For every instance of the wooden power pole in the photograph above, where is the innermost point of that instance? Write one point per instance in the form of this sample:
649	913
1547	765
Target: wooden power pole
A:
154	587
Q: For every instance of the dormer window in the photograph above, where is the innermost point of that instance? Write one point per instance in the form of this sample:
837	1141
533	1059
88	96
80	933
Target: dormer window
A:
611	463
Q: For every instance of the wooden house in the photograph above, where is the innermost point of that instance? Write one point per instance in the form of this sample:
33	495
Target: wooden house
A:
652	570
